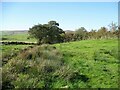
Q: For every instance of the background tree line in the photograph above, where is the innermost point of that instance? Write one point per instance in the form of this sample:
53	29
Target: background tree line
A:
51	33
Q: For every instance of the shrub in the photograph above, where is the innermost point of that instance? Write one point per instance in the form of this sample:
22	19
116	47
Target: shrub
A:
39	67
32	68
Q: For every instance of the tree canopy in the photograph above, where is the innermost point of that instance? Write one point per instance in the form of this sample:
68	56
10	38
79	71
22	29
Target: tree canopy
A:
81	33
47	33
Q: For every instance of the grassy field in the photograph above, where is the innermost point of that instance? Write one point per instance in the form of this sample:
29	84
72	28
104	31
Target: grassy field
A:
17	36
96	59
8	51
88	64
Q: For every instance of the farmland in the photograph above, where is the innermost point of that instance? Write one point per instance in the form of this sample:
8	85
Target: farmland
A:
16	36
86	63
60	45
97	59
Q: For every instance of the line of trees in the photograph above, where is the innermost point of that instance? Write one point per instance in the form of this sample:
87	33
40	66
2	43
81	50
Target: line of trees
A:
83	34
51	33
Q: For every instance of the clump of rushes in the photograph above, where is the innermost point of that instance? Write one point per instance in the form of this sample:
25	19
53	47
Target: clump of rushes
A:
33	68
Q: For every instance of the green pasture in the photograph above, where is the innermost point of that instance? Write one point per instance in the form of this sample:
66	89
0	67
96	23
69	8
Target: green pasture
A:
94	64
96	59
18	37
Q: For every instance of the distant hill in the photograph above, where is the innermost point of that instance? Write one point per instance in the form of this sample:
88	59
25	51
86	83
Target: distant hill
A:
7	32
68	30
13	32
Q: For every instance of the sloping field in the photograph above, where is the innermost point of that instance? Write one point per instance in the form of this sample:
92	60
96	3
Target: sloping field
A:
97	59
80	64
19	36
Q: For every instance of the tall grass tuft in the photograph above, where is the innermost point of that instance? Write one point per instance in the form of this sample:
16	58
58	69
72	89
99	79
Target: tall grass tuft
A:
34	67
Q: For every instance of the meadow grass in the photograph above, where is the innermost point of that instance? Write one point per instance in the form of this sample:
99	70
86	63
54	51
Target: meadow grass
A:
87	64
97	59
34	67
18	37
9	51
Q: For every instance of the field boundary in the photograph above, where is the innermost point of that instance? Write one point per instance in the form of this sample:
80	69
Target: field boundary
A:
17	43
